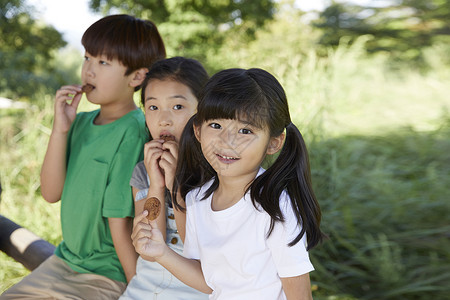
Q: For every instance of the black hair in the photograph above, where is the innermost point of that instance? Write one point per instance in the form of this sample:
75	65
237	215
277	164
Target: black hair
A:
255	96
187	71
134	42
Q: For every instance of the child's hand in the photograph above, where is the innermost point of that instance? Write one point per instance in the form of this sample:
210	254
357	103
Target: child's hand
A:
66	112
152	155
168	162
147	238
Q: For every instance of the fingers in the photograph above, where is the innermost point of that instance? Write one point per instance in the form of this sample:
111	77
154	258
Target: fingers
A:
141	226
140	218
168	162
153	224
76	100
153	144
144	229
171	147
142	221
152	152
70	89
67	99
147	238
68	92
168	159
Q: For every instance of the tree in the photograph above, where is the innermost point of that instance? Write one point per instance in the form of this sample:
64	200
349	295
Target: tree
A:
194	28
402	28
27	48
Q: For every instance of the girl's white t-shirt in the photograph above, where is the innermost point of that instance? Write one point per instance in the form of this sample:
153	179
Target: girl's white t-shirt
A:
237	258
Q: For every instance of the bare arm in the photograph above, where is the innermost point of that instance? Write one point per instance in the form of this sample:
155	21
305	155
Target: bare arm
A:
180	218
53	172
169	163
298	287
139	208
186	270
121	229
148	241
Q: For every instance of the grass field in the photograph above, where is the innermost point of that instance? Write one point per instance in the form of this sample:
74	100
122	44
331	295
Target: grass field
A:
379	144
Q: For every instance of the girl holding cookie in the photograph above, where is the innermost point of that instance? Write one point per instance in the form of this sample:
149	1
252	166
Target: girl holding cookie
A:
248	230
169	98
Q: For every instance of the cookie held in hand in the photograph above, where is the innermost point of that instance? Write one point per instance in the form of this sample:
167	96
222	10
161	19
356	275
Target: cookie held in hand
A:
153	206
167	138
87	88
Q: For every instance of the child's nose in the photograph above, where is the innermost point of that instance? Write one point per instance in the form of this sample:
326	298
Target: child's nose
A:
165	118
229	136
89	70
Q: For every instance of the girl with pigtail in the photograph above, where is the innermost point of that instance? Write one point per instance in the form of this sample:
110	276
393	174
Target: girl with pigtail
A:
248	230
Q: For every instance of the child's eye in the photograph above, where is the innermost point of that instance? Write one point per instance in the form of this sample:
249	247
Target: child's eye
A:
178	107
86	58
102	62
245	131
215	126
152	107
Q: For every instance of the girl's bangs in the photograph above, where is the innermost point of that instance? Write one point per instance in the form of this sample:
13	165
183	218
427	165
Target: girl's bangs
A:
244	108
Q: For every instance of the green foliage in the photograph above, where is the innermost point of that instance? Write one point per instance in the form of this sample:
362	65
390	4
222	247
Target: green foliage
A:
23	136
401	28
277	42
195	28
387	214
26	52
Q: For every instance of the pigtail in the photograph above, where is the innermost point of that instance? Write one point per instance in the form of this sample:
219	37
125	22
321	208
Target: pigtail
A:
192	168
290	172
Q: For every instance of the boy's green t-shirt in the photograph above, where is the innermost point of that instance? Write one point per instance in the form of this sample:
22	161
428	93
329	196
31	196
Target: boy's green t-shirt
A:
100	161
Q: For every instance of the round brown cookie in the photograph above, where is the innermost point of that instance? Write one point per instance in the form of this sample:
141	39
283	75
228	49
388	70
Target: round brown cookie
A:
167	138
87	88
153	206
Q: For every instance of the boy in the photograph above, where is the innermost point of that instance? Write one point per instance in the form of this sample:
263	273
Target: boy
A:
89	162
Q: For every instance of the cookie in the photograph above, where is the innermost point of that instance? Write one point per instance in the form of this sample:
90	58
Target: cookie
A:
153	206
167	138
87	88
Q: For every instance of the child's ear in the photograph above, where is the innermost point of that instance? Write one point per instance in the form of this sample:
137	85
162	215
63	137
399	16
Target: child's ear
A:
276	143
197	132
138	77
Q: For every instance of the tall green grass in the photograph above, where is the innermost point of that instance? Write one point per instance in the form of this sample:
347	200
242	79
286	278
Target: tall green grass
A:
387	213
379	145
23	138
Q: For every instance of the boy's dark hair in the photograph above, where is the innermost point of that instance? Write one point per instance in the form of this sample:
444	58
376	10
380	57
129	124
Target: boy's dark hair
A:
256	97
134	42
187	71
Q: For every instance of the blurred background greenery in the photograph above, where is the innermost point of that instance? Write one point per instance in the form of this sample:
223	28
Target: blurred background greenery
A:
368	87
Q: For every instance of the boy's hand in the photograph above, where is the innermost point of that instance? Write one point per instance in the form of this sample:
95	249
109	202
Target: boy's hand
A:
66	112
147	238
152	154
168	162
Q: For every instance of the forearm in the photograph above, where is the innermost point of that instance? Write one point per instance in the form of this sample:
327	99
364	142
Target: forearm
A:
158	192
121	234
53	172
180	217
186	270
298	287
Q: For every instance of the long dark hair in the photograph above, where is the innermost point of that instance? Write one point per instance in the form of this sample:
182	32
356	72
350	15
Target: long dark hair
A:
255	96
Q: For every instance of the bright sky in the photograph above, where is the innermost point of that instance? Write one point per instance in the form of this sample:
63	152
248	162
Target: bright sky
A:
69	17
